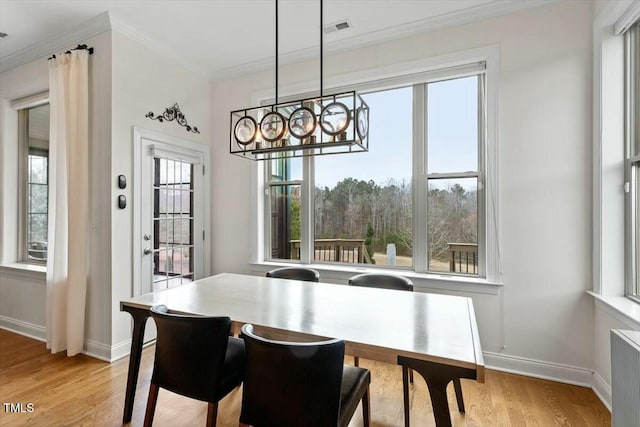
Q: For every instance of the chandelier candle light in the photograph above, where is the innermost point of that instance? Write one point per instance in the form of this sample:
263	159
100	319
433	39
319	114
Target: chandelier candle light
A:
327	124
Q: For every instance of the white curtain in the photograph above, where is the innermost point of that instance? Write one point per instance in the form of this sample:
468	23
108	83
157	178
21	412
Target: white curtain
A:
68	201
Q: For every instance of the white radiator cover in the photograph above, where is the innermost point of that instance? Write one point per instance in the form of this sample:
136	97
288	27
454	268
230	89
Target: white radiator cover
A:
625	378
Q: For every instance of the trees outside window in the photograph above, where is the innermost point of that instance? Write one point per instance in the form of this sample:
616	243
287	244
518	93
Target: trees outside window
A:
414	201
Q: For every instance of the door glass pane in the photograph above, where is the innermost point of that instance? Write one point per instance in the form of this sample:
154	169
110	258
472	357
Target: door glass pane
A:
362	201
452	225
452	125
173	223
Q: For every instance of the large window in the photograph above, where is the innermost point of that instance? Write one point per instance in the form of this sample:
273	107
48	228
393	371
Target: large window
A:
414	201
34	123
363	202
632	154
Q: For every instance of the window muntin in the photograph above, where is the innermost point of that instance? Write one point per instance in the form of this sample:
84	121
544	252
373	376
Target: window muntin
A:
36	122
468	170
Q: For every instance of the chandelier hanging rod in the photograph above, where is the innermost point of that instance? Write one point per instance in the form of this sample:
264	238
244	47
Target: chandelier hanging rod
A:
277	51
319	125
321	50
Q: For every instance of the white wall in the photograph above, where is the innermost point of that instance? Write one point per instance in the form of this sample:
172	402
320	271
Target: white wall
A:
143	81
544	179
22	291
127	81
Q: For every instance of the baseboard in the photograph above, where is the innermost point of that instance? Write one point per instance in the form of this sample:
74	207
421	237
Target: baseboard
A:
120	350
27	329
538	369
98	350
91	348
602	390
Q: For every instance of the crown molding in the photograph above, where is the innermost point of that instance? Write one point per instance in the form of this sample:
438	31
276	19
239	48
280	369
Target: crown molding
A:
107	22
447	20
58	42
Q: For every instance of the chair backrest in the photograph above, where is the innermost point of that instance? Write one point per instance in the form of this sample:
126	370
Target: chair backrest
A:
291	384
190	353
296	273
383	281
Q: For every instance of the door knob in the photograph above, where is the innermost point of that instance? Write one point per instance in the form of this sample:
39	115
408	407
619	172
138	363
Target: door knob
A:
147	251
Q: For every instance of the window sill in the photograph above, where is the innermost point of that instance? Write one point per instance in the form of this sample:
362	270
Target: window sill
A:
624	309
34	271
331	273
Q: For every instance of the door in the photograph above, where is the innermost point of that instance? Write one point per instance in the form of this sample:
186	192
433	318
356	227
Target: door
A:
169	236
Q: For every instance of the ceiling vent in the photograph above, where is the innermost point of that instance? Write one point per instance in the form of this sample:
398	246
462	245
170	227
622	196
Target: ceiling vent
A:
337	26
3	35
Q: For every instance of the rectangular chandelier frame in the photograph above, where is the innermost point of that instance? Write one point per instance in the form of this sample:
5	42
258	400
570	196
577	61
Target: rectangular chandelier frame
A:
347	112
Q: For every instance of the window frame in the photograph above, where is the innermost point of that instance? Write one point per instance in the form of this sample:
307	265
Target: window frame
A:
488	248
632	160
22	107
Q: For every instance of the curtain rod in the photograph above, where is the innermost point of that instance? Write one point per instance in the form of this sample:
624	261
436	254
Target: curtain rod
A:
79	47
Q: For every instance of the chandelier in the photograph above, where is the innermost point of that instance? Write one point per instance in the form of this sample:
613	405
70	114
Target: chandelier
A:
327	124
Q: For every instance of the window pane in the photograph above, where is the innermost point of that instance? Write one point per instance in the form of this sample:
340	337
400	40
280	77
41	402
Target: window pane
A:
38	198
286	169
37	182
186	170
37	169
452	225
452	125
363	204
285	222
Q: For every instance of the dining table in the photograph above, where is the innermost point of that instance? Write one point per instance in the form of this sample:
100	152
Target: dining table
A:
435	334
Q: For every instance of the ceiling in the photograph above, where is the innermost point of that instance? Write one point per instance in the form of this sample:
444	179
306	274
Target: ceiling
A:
224	37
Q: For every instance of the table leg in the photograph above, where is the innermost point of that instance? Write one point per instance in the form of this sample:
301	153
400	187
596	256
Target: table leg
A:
437	376
140	317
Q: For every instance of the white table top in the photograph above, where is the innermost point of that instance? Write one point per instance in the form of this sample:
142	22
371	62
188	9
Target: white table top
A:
376	324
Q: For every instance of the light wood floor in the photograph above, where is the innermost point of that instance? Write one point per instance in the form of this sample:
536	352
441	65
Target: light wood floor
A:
82	391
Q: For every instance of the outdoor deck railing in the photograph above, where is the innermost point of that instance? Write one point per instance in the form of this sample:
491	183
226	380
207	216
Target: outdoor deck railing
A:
335	250
463	258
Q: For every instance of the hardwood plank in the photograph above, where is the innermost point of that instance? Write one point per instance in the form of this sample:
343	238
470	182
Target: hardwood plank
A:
82	391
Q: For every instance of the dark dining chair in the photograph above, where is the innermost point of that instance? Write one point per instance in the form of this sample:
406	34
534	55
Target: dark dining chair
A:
195	357
295	273
300	384
399	283
381	281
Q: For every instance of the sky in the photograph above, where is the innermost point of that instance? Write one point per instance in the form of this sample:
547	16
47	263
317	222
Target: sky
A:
451	131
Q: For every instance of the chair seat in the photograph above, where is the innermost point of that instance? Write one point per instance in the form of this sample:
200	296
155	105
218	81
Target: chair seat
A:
354	384
233	371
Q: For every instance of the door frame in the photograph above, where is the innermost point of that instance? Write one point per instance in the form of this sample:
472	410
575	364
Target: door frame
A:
140	134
